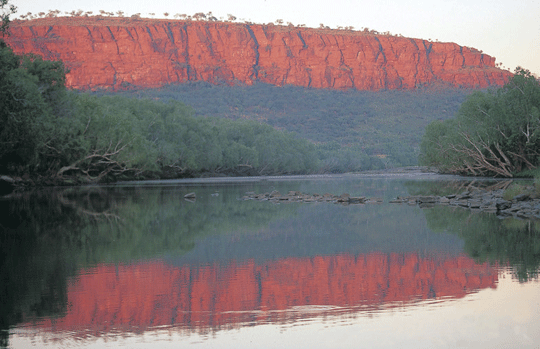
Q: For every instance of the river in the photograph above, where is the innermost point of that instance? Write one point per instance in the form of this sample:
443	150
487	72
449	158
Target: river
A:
137	265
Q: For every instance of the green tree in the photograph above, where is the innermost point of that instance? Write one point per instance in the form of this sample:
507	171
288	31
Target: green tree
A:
30	89
6	10
494	132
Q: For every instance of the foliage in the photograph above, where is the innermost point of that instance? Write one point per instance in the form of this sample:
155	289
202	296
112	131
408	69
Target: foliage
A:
5	11
494	133
31	90
353	130
48	131
514	190
444	187
340	159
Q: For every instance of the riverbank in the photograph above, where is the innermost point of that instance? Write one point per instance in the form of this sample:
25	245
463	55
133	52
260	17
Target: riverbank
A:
9	184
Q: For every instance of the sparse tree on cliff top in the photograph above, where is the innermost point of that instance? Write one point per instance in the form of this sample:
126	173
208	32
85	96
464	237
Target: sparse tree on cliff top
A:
53	13
199	16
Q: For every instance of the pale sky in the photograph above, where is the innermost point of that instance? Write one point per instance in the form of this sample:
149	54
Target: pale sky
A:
508	30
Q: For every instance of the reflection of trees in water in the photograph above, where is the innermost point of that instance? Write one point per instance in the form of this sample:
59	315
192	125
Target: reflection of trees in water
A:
488	238
45	236
447	187
33	268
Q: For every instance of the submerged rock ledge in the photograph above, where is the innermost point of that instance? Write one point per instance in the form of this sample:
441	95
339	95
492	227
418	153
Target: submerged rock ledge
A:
524	206
296	196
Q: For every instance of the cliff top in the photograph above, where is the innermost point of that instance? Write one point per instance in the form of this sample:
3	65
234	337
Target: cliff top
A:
104	21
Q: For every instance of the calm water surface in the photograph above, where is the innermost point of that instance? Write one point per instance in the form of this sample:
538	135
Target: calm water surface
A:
136	265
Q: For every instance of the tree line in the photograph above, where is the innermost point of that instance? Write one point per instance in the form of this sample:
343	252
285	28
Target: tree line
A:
494	133
50	133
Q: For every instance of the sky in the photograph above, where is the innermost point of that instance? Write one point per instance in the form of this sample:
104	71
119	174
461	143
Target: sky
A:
508	30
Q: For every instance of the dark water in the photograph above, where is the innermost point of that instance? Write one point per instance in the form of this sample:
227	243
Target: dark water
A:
136	265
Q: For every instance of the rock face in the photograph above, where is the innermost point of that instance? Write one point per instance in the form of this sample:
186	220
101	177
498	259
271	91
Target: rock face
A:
117	53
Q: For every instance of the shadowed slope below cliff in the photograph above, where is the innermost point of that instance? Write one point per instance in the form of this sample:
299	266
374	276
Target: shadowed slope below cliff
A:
116	53
353	130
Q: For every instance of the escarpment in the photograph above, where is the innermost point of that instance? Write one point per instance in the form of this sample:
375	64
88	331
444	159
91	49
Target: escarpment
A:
119	53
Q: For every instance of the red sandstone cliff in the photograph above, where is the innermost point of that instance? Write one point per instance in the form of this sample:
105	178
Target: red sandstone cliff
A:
115	53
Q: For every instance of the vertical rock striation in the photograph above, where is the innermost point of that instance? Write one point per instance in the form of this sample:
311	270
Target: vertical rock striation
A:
116	53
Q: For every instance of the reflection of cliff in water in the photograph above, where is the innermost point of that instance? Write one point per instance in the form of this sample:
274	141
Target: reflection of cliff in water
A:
48	236
57	243
139	297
